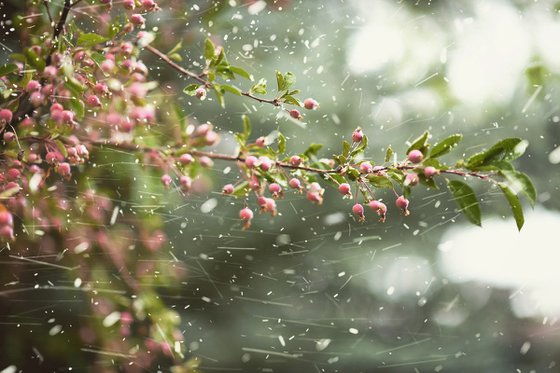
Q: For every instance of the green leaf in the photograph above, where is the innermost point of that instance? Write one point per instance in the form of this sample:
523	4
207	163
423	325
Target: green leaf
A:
289	80
241	72
389	154
8	69
466	199
421	143
260	87
175	57
241	189
519	182
514	203
445	146
246	126
191	89
90	39
504	150
176	48
61	147
232	89
209	49
78	107
380	181
346	148
281	143
34	59
280	82
220	96
312	150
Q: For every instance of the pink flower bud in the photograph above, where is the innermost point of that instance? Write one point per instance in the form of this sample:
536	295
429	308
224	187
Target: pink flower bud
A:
6	218
33	86
358	210
314	197
254	183
148	4
295	183
357	135
411	179
64	169
129	4
206	162
251	161
37	98
402	203
228	189
186	159
200	93
265	163
295	160
67	116
13	174
56	107
166	180
344	188
260	142
101	88
430	171
6	116
275	189
185	182
380	209
50	72
212	138
366	168
137	19
294	113
53	157
93	101
246	214
7	232
107	66
9	136
310	104
415	156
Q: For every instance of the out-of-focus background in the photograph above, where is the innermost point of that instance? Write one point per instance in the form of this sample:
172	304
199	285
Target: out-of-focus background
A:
313	290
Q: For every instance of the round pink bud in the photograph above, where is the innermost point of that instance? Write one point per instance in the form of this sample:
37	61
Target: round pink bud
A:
212	138
203	129
402	203
295	183
358	209
9	136
260	142
310	104
148	4
411	179
246	214
254	183
93	101
129	4
166	180
415	156
315	187
37	98
67	116
206	161
200	93
13	174
344	188
269	206
64	169
430	171
101	88
378	206
275	188
357	135
295	160
53	157
6	116
33	86
261	201
265	163
56	107
7	232
228	189
126	318
137	19
186	159
6	218
251	161
107	66
50	72
185	182
366	168
294	113
315	197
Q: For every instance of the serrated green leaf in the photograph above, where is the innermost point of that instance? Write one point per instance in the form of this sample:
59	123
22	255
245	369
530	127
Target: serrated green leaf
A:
232	89
260	87
241	72
312	150
281	143
514	203
8	69
421	143
209	49
445	146
380	181
504	150
246	126
519	182
280	82
191	89
466	199
289	79
90	39
288	99
389	154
